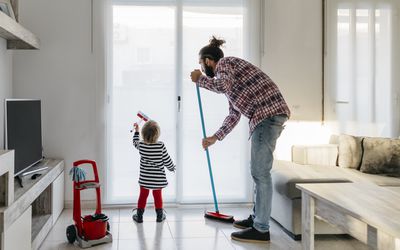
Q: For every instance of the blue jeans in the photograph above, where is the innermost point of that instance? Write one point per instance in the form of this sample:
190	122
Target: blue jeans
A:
263	141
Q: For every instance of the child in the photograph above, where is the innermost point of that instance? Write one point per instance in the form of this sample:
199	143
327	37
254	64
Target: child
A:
153	158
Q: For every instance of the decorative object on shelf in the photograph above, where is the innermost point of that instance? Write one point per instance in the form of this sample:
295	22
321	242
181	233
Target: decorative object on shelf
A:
6	7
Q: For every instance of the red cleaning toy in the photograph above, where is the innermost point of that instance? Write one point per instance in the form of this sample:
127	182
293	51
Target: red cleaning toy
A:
88	230
142	117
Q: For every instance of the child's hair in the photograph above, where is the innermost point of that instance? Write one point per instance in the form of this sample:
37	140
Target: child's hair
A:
150	132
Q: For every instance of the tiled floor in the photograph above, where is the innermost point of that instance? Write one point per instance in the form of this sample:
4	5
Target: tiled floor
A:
185	228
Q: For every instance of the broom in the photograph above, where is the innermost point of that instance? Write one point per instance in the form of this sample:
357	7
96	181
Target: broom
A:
211	215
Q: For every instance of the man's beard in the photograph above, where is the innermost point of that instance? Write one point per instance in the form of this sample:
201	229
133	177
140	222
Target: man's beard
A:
209	71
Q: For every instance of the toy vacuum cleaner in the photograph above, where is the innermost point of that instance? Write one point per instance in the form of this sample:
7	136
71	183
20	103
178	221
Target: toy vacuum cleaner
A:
88	230
142	117
211	215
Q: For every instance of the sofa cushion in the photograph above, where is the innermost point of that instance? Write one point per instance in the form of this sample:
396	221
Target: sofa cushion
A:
323	155
381	156
286	174
350	151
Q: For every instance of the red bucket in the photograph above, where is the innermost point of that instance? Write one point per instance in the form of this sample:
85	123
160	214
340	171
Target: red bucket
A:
94	228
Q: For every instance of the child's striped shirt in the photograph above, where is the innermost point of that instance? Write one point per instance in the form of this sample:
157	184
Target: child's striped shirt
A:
153	158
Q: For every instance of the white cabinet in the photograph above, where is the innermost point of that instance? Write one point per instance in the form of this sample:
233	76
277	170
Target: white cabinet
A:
26	219
57	197
18	235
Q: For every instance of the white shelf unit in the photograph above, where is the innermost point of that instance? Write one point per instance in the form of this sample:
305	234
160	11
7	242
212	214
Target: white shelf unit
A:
27	219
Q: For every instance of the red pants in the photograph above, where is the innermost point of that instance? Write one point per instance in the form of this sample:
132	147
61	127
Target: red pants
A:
144	193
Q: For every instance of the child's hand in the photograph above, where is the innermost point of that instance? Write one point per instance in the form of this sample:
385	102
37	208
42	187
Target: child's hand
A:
136	127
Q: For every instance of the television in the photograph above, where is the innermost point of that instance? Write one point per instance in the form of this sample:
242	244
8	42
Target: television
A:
23	133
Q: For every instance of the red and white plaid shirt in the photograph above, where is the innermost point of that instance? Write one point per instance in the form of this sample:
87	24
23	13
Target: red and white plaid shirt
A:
249	91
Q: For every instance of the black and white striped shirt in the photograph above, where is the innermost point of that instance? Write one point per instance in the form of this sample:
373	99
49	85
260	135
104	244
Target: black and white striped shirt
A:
153	158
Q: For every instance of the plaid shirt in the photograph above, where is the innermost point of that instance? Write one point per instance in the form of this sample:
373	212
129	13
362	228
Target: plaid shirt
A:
249	91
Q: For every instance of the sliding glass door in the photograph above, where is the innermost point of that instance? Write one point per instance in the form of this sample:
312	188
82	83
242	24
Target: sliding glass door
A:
143	79
155	46
229	157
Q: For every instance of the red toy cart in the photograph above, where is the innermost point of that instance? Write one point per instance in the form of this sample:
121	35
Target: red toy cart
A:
88	230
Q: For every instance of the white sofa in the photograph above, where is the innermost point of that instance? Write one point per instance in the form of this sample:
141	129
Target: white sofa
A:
313	164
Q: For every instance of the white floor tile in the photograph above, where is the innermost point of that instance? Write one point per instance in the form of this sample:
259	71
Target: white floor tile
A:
57	233
194	229
214	243
113	214
50	245
147	244
184	228
237	245
185	214
106	246
114	228
145	230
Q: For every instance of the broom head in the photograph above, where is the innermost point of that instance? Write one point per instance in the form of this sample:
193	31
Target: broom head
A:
218	216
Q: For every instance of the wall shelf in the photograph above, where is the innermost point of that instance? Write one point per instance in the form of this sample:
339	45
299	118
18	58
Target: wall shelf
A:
16	35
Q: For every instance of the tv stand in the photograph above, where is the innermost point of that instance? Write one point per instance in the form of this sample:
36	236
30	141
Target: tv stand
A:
28	213
40	166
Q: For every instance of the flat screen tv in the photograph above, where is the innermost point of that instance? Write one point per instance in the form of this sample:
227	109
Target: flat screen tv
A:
24	132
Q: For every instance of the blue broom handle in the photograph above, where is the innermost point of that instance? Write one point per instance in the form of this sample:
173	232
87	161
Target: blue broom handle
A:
207	153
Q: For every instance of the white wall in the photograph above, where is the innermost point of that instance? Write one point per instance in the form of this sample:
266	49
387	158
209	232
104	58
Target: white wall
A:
64	75
5	83
293	59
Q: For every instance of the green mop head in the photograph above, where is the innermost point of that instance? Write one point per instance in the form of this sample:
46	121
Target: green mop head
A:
78	174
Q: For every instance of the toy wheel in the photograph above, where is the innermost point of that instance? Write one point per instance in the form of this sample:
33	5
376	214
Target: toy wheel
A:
71	234
108	227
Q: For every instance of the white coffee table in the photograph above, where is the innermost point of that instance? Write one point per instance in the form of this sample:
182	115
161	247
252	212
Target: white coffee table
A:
368	212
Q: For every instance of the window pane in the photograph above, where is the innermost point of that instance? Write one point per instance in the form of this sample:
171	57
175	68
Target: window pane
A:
383	75
144	40
363	58
344	70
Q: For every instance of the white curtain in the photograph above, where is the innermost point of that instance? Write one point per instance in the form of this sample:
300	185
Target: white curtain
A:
154	46
361	66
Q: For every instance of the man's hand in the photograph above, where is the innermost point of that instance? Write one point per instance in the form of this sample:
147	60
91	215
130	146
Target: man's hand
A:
195	75
209	141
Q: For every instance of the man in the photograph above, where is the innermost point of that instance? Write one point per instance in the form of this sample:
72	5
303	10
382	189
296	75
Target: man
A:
252	93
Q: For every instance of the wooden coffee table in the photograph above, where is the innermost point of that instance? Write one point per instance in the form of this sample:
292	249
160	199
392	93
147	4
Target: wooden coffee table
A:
368	212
